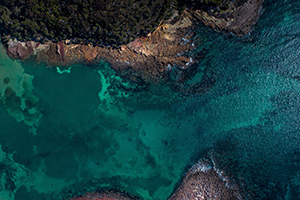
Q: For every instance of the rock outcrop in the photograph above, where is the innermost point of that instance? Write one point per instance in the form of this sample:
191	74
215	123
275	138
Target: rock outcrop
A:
238	19
148	57
205	181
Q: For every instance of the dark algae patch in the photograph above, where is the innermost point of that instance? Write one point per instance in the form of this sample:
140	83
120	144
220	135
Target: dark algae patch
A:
6	80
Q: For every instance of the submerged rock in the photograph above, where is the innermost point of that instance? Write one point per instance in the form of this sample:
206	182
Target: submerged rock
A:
16	91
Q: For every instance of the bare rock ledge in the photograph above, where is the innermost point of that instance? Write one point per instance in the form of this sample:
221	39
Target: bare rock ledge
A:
149	57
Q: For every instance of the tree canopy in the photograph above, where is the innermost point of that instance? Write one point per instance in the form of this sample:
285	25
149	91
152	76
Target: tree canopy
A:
102	22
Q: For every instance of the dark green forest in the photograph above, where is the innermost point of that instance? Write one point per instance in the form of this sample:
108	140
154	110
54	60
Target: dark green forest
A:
101	22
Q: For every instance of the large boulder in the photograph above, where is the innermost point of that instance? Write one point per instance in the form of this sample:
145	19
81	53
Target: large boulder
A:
205	181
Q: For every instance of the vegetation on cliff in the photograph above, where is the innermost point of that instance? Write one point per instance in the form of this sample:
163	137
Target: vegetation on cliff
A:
102	22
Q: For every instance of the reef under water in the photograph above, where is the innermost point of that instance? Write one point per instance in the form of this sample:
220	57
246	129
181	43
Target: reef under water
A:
67	132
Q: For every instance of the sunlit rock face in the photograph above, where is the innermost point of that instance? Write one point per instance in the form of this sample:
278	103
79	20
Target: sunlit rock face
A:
149	57
153	56
16	91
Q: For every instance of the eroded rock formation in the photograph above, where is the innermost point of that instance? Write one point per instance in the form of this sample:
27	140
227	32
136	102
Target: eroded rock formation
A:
238	19
206	181
148	57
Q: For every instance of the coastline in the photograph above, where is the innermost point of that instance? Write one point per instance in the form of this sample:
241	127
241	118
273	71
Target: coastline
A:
239	19
205	180
150	57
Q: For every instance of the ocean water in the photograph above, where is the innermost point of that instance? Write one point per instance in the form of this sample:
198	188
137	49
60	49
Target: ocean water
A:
67	132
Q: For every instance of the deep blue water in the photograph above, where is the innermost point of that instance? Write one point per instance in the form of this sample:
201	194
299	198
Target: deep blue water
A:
65	134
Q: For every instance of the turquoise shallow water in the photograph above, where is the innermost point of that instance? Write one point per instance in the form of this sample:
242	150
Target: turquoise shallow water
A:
65	133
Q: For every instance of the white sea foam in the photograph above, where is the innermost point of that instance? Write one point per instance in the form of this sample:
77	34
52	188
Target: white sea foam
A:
185	40
201	166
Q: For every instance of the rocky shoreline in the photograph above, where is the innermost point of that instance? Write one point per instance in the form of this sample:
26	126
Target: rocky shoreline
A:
238	19
163	49
151	57
204	180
